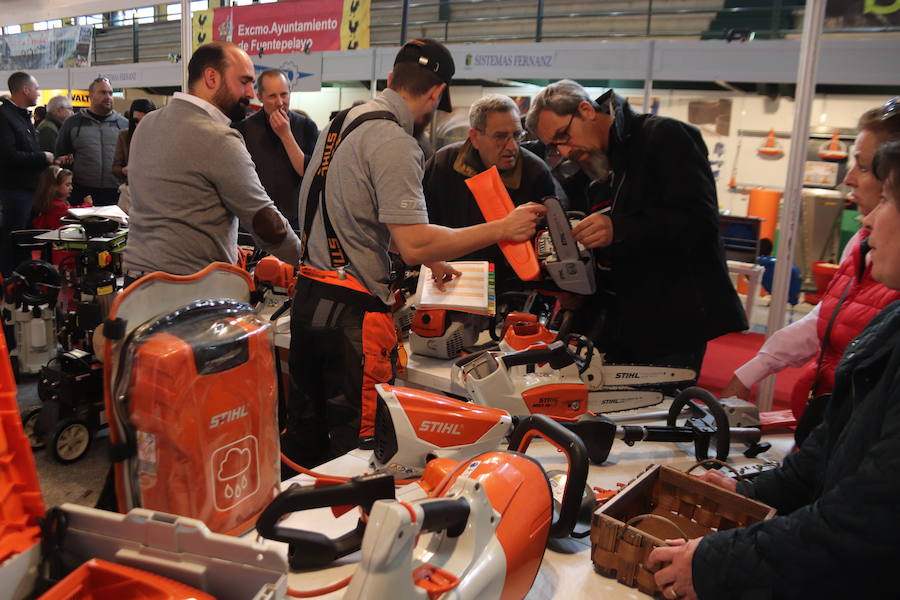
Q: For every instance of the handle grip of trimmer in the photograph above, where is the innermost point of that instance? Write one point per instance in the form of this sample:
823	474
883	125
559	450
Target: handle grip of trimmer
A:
574	449
555	354
713	408
309	549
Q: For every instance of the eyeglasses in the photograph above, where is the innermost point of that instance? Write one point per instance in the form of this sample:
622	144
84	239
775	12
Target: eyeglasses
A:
561	139
501	138
891	108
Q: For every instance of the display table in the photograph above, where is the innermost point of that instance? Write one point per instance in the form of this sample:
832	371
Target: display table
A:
566	571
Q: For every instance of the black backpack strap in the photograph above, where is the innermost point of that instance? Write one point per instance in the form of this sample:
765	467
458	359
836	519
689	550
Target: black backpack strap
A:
316	196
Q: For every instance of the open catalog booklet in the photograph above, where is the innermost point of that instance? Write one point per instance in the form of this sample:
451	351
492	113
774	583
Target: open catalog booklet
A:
472	292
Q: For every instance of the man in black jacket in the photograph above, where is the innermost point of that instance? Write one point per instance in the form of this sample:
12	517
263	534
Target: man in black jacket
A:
21	162
664	289
280	142
494	134
838	497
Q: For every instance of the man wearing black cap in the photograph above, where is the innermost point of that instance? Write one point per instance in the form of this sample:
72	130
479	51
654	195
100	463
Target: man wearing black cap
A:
342	336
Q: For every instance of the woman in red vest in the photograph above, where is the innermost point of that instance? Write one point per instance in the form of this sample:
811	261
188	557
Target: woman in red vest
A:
817	341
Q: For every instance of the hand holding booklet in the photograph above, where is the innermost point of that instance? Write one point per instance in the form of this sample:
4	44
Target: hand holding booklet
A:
472	292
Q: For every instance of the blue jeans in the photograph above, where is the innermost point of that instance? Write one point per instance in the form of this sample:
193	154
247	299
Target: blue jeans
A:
16	209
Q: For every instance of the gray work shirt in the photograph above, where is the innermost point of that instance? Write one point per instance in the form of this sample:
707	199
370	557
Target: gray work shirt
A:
375	179
191	181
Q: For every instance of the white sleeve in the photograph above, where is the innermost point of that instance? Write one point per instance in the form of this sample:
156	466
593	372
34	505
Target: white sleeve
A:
792	346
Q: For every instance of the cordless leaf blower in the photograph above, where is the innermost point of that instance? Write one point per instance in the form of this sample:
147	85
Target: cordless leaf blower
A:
190	391
479	534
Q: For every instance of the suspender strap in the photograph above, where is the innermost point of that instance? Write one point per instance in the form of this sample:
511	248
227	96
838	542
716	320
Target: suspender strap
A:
316	195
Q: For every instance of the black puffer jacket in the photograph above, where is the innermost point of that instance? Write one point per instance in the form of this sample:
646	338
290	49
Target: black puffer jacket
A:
838	497
21	158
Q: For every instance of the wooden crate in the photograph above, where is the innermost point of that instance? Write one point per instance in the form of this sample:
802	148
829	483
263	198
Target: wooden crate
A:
620	550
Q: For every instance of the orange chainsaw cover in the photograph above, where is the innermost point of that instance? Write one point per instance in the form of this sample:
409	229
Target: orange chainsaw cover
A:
495	203
202	410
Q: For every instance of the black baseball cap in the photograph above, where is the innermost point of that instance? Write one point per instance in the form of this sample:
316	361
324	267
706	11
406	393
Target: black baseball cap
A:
434	56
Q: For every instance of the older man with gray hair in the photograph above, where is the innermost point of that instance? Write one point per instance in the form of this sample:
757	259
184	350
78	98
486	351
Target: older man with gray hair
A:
664	287
493	140
58	110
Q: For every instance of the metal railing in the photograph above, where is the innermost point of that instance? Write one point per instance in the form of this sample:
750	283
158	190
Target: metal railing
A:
776	19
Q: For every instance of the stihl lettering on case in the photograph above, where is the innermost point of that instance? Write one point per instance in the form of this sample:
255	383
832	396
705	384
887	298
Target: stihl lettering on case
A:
439	427
228	416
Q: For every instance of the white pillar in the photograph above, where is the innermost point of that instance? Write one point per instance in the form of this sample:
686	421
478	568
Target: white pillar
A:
813	18
186	42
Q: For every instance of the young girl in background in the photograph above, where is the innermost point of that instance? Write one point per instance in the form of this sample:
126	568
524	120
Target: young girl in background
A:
51	200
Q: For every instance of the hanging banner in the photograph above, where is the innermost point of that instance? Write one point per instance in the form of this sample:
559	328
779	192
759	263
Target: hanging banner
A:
49	49
287	27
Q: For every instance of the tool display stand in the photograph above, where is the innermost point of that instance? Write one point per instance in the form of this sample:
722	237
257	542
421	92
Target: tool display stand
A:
178	548
662	503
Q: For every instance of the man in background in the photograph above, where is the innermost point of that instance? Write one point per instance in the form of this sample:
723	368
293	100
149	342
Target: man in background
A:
21	162
280	142
88	141
493	141
58	110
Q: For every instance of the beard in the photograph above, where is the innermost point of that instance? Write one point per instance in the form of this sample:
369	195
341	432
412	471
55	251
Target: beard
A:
234	108
595	165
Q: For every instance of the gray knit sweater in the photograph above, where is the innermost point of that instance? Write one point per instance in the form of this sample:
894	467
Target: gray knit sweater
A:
191	181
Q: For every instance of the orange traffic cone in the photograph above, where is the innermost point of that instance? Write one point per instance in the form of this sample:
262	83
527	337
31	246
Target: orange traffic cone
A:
770	148
834	149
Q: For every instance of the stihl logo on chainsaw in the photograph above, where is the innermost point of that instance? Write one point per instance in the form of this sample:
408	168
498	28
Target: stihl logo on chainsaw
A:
627	375
440	427
228	416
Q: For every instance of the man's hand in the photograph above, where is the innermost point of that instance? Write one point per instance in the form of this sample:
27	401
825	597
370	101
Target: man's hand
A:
441	273
595	231
49	157
520	224
65	160
87	201
671	566
719	479
280	123
736	388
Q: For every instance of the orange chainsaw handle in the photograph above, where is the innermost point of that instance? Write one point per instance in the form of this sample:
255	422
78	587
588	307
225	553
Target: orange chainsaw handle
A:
494	202
573	447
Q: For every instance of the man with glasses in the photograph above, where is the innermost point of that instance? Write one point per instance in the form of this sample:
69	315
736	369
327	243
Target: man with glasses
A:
664	289
87	141
494	136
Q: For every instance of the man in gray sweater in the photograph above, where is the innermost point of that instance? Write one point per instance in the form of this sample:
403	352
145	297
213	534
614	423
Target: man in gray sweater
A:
192	179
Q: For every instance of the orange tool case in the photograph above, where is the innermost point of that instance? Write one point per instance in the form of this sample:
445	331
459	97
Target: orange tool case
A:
144	554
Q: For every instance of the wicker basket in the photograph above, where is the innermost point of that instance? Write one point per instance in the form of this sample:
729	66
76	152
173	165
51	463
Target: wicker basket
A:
662	503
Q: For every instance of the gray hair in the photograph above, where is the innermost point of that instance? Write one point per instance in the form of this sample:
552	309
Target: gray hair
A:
58	102
479	111
562	97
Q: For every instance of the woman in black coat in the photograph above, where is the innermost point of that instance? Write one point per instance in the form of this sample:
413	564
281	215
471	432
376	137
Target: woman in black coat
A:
838	497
